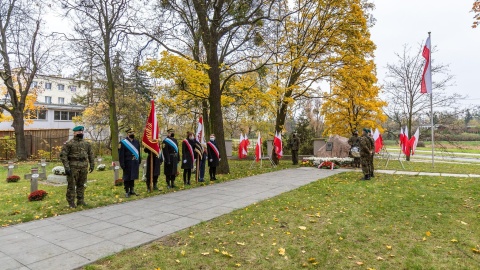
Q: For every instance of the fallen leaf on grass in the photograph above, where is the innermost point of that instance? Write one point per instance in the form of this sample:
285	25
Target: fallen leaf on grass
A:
428	233
238	264
182	252
205	253
454	240
281	251
359	263
178	261
476	250
227	254
241	243
302	228
389	247
311	260
379	258
216	250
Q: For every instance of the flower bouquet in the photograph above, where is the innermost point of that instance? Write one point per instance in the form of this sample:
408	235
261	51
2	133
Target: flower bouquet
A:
101	167
306	163
13	178
119	182
328	165
58	170
37	195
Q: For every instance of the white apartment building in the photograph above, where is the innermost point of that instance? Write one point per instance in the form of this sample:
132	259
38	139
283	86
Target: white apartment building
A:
54	107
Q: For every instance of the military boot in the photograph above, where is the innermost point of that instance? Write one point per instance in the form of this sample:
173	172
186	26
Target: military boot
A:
132	192
81	203
72	205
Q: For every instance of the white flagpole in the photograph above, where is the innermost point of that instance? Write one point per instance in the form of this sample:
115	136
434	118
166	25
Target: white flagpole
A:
431	108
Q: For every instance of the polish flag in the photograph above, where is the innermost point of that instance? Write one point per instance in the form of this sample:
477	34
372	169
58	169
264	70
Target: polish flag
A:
242	148
426	86
277	142
377	137
246	142
414	140
405	143
258	148
200	135
401	139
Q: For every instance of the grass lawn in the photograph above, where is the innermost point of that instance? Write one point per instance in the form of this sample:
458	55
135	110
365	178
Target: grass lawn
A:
439	167
15	207
390	222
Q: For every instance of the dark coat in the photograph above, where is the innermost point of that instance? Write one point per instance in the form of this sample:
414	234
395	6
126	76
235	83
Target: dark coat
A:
187	159
170	158
129	163
157	161
213	160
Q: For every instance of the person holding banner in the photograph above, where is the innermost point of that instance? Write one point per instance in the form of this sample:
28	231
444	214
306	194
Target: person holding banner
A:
213	157
170	158
156	162
130	159
188	157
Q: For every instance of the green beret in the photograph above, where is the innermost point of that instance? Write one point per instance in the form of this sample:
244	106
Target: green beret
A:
128	130
78	128
366	130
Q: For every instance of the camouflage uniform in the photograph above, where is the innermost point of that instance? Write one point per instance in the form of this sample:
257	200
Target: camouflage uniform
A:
354	141
366	148
76	155
372	141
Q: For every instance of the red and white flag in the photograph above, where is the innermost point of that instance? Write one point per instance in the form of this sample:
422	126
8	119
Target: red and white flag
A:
377	137
242	148
258	148
405	143
150	134
200	135
277	142
414	140
426	86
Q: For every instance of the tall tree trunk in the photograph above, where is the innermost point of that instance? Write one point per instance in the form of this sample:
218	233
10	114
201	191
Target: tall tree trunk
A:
280	120
206	120
112	108
19	129
216	116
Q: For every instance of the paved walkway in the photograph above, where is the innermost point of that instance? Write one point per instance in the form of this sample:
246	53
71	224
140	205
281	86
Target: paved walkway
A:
80	238
427	173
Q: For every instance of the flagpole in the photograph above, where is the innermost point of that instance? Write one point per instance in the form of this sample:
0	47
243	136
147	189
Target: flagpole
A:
431	110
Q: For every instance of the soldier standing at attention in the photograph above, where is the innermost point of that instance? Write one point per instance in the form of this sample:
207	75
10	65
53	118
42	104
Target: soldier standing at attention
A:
76	155
366	148
213	157
372	141
354	142
130	159
295	147
188	157
171	158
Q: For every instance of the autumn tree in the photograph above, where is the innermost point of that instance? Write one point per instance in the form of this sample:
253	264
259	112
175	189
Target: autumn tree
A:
25	49
402	88
354	102
306	46
100	25
476	10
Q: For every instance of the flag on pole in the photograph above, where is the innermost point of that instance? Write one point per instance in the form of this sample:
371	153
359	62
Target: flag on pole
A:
258	148
277	142
426	86
242	153
200	135
150	134
405	147
245	145
414	141
377	137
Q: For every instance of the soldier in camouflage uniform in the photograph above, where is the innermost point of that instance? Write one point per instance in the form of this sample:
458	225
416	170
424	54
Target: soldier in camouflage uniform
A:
370	136
76	155
366	149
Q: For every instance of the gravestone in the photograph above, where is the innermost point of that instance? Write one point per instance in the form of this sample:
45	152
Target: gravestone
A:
33	177
57	179
116	170
10	166
43	164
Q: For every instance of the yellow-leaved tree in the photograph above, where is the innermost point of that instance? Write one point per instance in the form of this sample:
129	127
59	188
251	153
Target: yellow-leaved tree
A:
354	102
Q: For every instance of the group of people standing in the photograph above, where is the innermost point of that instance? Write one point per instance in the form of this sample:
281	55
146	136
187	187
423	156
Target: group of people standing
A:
365	145
193	154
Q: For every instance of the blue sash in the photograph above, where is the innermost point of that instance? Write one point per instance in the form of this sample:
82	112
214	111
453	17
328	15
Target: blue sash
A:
130	147
172	144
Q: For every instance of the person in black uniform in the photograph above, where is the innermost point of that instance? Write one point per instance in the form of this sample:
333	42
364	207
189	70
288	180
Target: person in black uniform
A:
213	157
156	162
188	157
130	159
170	158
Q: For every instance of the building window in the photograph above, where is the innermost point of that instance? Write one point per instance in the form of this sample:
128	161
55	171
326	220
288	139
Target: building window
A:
73	88
38	114
48	99
61	100
61	87
34	84
64	115
48	86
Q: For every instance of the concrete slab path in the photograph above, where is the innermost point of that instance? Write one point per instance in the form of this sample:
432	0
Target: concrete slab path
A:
73	240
